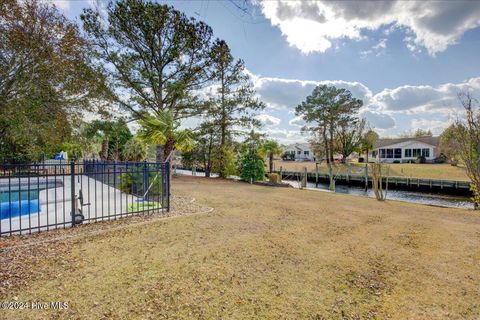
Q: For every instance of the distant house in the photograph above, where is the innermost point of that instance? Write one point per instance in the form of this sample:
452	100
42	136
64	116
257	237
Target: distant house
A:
300	152
405	149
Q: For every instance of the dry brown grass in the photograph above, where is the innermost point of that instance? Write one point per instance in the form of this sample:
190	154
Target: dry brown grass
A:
271	253
411	170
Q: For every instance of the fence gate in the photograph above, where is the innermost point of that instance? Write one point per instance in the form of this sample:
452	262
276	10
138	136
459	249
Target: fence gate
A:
45	196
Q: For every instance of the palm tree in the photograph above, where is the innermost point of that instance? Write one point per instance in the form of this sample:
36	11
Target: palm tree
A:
112	136
367	142
101	130
271	148
135	150
164	130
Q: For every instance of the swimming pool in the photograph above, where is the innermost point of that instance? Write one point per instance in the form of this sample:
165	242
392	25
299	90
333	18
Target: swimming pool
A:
17	203
23	197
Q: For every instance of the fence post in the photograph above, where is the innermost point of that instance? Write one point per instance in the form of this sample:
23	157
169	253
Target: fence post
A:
305	178
72	190
114	174
145	177
167	167
366	176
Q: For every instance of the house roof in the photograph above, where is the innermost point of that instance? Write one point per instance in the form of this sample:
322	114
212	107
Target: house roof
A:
380	143
299	146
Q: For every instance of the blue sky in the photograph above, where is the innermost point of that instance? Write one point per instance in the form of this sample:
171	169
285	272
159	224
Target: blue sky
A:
407	60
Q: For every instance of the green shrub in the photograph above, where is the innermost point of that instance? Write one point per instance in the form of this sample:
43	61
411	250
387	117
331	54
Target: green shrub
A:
251	166
421	159
74	151
287	156
133	182
224	161
441	158
135	150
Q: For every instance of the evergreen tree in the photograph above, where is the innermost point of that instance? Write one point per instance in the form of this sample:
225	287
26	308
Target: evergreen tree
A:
326	109
112	136
251	165
155	56
232	103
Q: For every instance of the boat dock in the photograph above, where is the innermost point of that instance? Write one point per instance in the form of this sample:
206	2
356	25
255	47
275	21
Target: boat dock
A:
400	183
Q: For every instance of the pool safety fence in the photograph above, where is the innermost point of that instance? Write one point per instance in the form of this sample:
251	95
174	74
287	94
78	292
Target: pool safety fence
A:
44	196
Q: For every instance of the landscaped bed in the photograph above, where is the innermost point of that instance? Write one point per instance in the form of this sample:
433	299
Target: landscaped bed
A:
265	253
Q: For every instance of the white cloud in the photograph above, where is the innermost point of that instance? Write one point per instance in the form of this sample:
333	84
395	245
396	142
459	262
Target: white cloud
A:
285	136
390	111
268	120
382	44
414	99
297	122
280	93
379	120
377	49
436	126
61	4
311	26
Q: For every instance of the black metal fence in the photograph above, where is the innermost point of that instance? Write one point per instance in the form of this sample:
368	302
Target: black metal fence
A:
44	196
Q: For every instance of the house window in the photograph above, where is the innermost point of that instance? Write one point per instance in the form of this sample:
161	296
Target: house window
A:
408	153
398	153
299	152
389	153
306	152
382	153
374	154
426	152
416	152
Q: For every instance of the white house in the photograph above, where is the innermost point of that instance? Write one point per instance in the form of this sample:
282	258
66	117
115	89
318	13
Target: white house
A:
301	152
405	149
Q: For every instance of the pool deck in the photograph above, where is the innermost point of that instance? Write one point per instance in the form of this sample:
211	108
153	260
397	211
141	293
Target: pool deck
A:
102	203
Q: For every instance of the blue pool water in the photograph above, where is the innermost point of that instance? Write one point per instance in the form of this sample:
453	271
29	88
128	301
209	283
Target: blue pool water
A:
15	209
18	203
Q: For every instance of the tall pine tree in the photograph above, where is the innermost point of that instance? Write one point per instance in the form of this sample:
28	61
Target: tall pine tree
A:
232	103
156	58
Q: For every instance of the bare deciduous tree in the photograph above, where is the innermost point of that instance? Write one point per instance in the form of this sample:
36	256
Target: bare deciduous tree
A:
378	173
468	137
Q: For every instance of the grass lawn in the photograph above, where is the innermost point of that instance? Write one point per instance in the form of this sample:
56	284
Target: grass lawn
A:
412	170
268	253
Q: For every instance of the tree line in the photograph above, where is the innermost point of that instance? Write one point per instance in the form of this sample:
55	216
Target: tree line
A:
160	67
141	58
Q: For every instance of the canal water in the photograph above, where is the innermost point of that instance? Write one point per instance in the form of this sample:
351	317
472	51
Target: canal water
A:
428	198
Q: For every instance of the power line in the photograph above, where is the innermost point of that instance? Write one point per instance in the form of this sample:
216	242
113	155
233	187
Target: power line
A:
245	12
